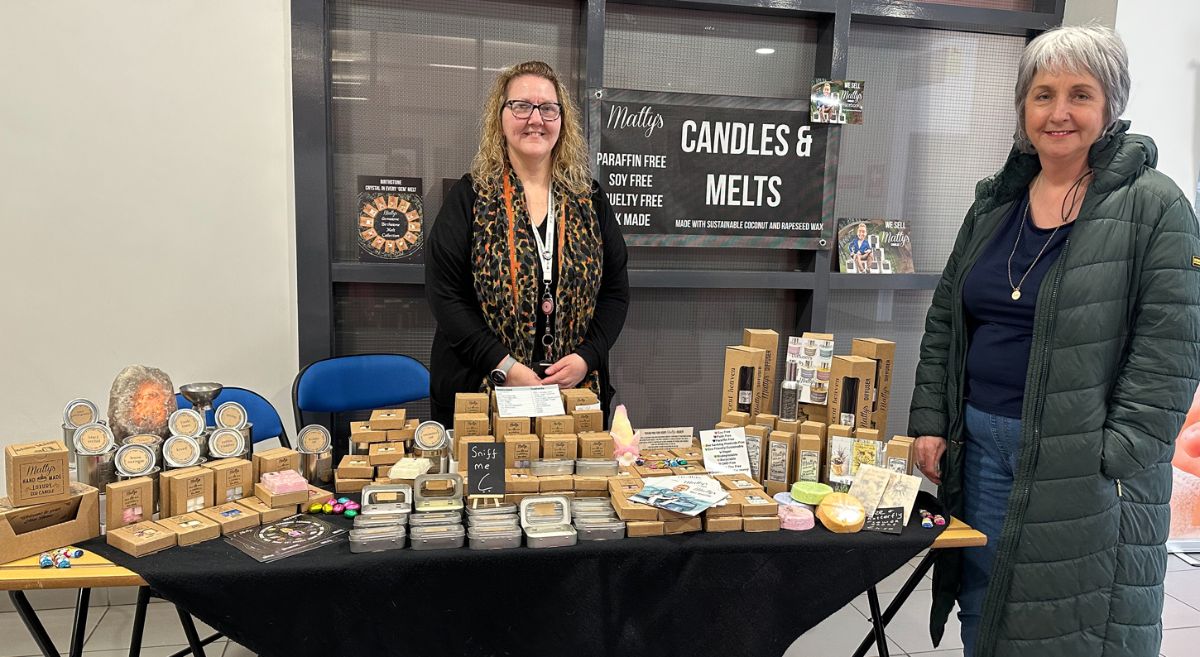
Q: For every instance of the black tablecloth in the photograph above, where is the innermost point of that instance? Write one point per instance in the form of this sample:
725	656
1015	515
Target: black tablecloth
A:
744	594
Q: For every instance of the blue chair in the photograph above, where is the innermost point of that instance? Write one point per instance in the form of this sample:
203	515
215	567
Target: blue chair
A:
358	383
267	423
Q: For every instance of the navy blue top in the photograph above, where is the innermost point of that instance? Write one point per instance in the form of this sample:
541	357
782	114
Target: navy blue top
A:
1000	330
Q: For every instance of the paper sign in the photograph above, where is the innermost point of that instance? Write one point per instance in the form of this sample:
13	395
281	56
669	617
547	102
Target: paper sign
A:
529	401
665	439
887	519
485	469
725	451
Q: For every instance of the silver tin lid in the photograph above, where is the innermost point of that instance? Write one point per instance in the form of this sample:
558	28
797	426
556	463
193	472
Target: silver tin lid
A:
431	436
135	460
186	422
93	439
149	439
545	511
231	415
314	439
420	493
226	443
181	451
437	531
431	518
79	412
383	495
505	509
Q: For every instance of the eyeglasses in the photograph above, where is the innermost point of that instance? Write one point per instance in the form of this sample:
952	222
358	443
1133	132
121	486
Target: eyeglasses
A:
523	109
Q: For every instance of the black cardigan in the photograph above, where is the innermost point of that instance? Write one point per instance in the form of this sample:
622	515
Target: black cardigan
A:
464	348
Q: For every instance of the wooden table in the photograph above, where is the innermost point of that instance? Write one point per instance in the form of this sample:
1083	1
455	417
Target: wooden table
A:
92	571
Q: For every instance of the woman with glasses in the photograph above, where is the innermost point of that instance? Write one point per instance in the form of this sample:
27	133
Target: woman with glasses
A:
525	270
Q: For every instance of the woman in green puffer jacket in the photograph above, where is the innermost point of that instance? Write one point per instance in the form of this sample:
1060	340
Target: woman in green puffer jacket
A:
1061	352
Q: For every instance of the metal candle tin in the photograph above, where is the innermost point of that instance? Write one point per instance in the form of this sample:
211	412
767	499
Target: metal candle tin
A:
432	441
181	452
95	448
437	537
226	443
153	441
386	500
599	530
377	539
77	413
546	467
315	444
546	520
435	519
135	460
186	422
425	501
483	537
596	467
231	415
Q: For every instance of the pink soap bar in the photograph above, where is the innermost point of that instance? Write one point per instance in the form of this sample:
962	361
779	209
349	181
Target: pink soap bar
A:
795	518
288	481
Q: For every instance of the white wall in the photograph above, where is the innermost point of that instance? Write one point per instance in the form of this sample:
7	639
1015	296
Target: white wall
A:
1163	39
146	203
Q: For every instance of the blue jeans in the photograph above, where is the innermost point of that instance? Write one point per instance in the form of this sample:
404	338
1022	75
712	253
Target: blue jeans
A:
993	445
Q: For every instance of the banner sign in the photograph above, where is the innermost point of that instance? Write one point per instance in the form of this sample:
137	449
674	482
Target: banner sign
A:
686	174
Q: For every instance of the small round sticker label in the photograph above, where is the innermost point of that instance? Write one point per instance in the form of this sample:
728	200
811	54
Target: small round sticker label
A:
182	451
314	439
231	415
186	422
92	439
134	460
226	443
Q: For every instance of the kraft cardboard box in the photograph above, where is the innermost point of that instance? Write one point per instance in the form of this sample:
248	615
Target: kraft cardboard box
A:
722	524
574	398
192	528
140	539
403	435
899	454
726	425
867	434
809	450
683	526
188	490
363	432
318	495
640	528
588	421
841	371
737	358
129	502
387	419
464	444
812	413
232	479
385	453
556	483
37	472
276	501
813	428
275	460
554	424
737	481
767	420
509	426
788	426
761	524
883	352
471	424
471	402
355	466
596	445
520	480
627	510
756	503
29	530
737	418
768	341
756	450
231	517
266	514
778	473
344	485
731	507
589	482
560	446
521	450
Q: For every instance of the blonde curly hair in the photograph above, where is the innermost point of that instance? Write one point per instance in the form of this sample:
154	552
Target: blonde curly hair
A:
569	167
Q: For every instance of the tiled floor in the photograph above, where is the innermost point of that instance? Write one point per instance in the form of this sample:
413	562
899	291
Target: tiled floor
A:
111	618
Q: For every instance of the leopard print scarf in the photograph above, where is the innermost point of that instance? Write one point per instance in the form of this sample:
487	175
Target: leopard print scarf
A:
508	275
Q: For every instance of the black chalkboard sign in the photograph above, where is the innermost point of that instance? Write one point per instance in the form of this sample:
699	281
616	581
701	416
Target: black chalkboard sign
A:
888	519
485	469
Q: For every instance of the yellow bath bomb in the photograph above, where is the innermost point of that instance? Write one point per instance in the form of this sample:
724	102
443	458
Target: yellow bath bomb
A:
841	513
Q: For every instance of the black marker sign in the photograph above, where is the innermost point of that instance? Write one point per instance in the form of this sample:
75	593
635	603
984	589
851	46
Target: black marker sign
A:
698	175
485	469
888	519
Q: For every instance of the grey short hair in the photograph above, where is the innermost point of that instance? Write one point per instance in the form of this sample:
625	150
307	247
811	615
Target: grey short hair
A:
1091	49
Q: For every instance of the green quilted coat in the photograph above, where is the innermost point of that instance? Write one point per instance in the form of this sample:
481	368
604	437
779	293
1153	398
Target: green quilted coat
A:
1112	370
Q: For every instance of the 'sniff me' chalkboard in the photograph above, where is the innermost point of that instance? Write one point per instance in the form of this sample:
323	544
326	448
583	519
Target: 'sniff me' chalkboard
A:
485	469
684	175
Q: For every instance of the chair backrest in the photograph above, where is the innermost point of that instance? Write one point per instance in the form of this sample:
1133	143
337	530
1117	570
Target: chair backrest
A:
267	423
358	383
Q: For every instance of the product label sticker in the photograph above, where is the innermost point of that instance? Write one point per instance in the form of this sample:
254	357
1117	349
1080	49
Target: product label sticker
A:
135	459
777	457
80	412
186	422
529	401
180	451
810	466
725	451
231	415
897	464
93	439
314	439
754	452
225	443
430	435
665	439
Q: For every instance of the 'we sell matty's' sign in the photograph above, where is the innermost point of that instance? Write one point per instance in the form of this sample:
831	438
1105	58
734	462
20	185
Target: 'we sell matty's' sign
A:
701	175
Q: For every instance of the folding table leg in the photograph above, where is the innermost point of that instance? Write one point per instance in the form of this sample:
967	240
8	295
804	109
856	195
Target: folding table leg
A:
79	631
32	623
901	597
877	622
189	630
139	621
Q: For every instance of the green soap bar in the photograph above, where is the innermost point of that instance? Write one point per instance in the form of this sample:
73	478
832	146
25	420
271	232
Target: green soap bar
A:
810	492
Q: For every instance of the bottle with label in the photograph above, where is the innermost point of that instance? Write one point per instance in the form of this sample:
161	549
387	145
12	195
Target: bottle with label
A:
849	396
789	396
745	389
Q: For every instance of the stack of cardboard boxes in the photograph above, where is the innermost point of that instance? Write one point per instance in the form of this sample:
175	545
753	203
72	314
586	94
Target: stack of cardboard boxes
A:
43	509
